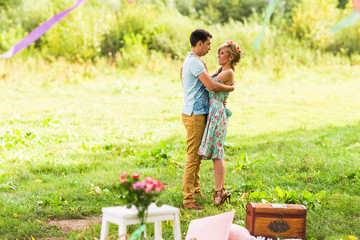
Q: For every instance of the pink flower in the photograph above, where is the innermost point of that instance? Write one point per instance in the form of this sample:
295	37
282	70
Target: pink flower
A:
148	179
123	175
230	42
159	186
238	48
217	134
149	187
123	181
138	185
135	176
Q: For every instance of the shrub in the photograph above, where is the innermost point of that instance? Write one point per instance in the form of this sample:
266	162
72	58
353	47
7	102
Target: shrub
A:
312	20
78	36
346	42
133	32
128	20
152	22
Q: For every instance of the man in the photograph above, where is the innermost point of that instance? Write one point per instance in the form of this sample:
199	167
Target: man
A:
195	80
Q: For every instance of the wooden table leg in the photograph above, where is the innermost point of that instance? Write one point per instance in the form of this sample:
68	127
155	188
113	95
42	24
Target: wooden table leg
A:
122	231
177	231
158	231
104	229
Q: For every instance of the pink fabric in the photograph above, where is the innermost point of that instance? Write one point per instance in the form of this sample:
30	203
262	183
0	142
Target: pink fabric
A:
356	5
211	228
238	232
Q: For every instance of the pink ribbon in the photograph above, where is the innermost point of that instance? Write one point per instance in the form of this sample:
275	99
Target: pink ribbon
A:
39	31
356	5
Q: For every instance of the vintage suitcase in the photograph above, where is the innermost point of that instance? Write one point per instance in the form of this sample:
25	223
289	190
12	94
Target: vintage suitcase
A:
276	220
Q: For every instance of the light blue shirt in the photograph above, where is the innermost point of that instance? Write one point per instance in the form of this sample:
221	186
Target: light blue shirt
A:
196	97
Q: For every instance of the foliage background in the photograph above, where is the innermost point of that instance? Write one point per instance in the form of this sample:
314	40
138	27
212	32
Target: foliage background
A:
104	28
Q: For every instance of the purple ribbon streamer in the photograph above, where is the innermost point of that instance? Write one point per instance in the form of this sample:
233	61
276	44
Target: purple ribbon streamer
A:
39	31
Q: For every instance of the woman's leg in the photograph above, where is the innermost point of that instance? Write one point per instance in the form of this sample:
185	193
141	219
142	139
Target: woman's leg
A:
219	173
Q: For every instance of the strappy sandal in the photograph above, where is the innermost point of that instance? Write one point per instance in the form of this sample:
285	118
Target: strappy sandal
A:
221	196
225	195
218	198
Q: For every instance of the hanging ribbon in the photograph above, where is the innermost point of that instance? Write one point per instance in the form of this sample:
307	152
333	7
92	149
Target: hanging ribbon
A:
136	235
349	20
269	11
41	30
346	22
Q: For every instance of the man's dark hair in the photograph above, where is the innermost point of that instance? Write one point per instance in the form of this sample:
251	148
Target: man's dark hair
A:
199	35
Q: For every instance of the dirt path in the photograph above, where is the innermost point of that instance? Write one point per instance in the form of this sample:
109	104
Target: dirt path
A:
67	225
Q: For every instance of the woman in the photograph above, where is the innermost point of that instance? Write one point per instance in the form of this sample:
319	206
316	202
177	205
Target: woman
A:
212	145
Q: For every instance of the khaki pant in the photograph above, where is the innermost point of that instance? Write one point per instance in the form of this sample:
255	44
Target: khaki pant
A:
195	126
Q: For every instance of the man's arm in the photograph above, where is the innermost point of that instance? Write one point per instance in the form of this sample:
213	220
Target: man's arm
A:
214	86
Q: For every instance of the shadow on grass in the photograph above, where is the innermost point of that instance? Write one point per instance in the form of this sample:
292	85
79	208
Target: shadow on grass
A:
321	160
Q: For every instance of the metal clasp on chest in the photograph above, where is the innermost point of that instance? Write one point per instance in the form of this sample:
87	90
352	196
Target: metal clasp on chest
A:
278	226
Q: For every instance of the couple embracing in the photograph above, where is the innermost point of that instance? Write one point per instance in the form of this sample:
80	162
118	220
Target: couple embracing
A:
204	114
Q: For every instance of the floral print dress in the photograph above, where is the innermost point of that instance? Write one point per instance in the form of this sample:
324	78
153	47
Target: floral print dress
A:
212	144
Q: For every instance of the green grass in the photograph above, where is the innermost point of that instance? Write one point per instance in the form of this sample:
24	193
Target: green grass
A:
66	129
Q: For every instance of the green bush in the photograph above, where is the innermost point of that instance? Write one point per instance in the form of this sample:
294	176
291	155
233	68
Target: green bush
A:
8	38
152	22
77	36
172	37
312	21
134	52
346	42
4	4
130	33
128	20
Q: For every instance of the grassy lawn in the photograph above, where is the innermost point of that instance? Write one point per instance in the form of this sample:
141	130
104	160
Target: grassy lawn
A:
67	132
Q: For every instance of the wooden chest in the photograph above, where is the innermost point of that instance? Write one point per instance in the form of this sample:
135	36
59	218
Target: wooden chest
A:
276	220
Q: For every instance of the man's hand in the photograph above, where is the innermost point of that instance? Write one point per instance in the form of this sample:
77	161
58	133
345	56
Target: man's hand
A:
202	60
205	64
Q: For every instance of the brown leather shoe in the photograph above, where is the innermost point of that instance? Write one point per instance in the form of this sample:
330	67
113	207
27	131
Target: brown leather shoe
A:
198	194
193	205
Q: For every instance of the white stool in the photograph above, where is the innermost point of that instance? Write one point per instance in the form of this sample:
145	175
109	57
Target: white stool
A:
123	216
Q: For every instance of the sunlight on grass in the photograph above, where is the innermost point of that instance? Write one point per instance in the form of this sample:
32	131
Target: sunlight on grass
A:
293	137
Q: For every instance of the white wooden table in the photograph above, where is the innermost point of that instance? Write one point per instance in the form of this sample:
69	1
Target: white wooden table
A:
123	216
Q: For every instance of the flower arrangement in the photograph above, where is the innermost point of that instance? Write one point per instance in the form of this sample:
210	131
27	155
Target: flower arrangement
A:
139	193
238	49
